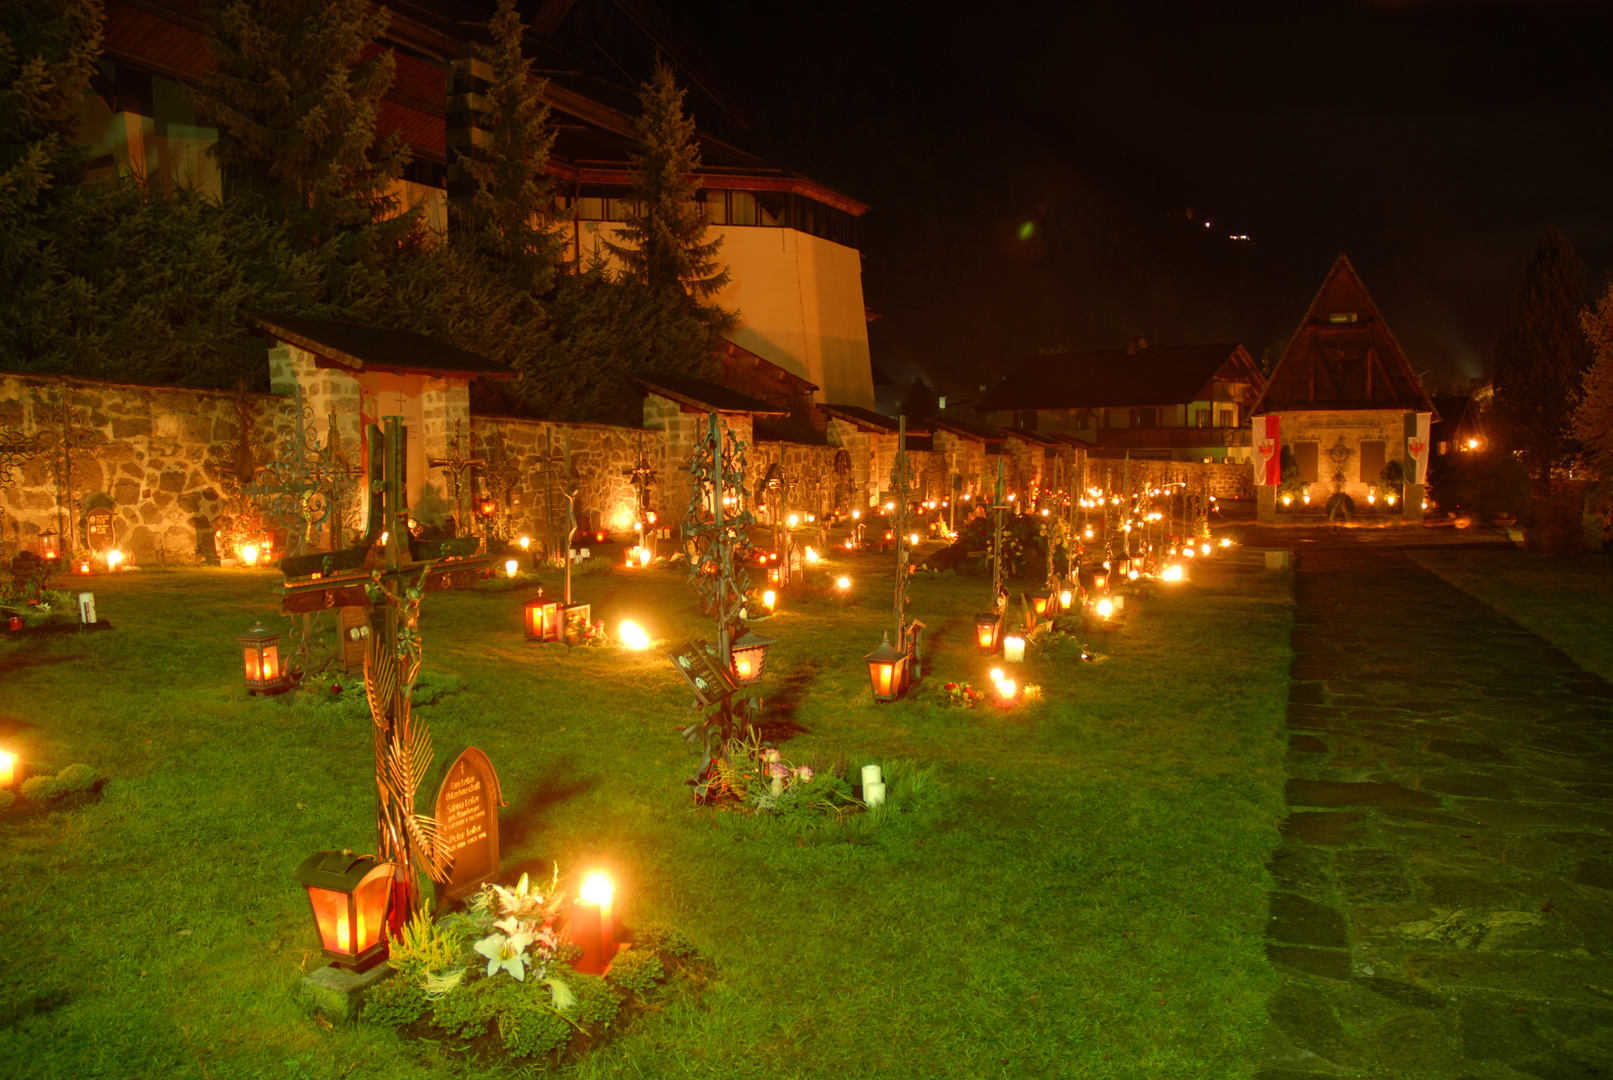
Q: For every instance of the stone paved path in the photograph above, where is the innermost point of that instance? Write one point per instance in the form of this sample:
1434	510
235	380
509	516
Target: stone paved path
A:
1444	906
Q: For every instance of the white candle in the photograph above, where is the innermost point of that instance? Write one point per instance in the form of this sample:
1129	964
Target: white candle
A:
1014	649
872	775
874	794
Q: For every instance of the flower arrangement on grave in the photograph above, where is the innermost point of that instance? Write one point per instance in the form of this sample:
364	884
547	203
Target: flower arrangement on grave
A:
500	972
960	696
754	777
28	597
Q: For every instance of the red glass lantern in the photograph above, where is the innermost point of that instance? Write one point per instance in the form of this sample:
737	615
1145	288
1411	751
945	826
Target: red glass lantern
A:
747	655
1041	603
348	894
261	653
541	619
489	507
887	670
988	631
10	769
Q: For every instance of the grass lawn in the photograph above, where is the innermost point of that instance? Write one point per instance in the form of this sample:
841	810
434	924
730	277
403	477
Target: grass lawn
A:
1077	891
1566	601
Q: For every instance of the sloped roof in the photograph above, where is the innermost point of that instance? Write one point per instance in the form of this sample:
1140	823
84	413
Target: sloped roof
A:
1343	356
376	348
974	432
863	418
1109	378
702	396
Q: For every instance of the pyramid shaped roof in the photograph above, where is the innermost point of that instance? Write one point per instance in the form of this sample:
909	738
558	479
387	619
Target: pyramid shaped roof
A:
1343	356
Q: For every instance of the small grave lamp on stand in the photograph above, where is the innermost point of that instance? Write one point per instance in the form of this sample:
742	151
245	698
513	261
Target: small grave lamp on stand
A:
348	894
1043	605
49	545
988	631
541	619
261	652
749	652
887	670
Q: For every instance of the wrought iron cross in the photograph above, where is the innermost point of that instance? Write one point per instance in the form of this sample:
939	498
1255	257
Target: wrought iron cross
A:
455	465
306	483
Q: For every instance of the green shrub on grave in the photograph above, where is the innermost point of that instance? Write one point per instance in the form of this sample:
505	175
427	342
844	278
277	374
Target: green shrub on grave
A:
43	788
395	1002
636	970
6	799
597	1004
660	938
529	1029
78	777
466	1010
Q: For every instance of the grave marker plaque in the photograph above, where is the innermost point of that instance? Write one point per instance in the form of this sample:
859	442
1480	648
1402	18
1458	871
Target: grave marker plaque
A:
466	810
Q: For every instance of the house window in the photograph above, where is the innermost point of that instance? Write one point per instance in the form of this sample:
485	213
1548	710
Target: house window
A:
741	208
1201	418
716	207
1226	418
1372	460
1143	418
1305	456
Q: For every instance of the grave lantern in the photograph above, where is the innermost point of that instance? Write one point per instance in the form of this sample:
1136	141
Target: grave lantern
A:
988	631
488	507
1041	601
10	769
49	547
348	894
261	653
749	653
887	670
541	618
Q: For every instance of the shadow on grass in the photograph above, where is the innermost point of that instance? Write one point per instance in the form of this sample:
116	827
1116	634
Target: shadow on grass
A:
559	784
34	658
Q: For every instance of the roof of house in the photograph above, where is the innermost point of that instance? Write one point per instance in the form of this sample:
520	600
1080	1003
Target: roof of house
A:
1342	356
1108	378
974	432
701	396
867	419
376	348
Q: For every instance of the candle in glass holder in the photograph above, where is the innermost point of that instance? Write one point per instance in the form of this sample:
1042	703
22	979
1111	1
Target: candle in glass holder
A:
1014	649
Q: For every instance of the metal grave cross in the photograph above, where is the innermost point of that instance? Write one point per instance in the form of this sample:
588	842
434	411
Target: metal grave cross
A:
455	465
389	587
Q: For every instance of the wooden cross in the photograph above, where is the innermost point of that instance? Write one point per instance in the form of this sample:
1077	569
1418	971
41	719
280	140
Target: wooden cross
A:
455	465
641	476
389	587
548	466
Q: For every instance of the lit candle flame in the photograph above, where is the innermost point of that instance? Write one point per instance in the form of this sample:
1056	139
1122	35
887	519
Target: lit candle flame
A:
633	636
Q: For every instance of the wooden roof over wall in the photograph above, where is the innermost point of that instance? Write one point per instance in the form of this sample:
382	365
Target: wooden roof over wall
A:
1343	356
1111	378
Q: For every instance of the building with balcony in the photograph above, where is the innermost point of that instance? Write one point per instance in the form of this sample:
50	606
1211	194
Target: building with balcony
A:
791	244
1171	402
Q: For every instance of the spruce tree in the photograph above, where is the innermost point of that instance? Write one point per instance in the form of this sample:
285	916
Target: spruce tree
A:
47	55
666	246
296	105
1593	416
1541	358
509	215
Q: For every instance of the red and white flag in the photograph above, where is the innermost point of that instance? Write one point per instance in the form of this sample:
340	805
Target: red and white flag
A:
1416	465
1267	451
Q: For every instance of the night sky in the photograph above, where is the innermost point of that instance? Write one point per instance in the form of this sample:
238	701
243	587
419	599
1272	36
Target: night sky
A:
1069	175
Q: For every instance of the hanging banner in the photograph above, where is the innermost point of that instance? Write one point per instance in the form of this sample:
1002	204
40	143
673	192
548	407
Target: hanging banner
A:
1267	452
1416	460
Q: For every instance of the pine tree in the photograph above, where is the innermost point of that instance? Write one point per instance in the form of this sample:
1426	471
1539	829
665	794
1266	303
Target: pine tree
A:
1593	417
1541	358
666	244
509	215
921	402
47	54
296	106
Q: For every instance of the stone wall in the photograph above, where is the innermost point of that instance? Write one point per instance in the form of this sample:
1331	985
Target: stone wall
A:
163	456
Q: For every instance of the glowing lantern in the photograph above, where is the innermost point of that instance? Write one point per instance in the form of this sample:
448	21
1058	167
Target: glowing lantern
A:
10	769
1040	602
1089	534
794	520
1100	582
1105	608
48	547
1131	574
988	631
249	555
1226	542
541	618
525	542
1064	600
644	556
509	567
261	652
1389	498
769	599
1288	500
748	655
1306	498
113	559
488	507
1204	548
843	584
887	670
913	538
599	536
890	506
1171	573
811	556
633	636
348	894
